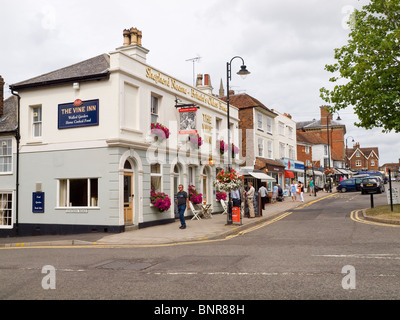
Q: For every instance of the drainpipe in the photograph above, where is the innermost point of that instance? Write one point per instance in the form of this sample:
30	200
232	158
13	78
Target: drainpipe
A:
17	138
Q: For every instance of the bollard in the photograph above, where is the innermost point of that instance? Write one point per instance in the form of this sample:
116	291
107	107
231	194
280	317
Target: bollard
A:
372	200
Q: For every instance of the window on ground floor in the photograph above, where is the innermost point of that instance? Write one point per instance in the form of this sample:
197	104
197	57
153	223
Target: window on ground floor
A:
5	209
78	193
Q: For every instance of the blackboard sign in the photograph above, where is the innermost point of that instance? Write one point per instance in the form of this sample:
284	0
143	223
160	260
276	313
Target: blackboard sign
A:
38	202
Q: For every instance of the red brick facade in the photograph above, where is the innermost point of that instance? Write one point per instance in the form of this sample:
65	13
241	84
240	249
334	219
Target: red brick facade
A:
365	159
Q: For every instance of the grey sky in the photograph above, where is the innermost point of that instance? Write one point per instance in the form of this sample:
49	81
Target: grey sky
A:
285	45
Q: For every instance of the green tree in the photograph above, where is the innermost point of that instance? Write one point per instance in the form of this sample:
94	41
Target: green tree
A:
369	67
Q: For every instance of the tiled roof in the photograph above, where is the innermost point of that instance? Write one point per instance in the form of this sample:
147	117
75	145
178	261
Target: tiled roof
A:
309	137
8	122
316	124
91	69
242	101
365	151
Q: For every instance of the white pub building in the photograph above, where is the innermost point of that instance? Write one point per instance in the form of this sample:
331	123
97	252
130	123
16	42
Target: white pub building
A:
88	157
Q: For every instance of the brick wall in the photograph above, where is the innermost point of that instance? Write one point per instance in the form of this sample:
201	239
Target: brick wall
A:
246	123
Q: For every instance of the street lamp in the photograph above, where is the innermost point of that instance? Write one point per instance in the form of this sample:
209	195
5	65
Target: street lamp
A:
329	151
243	72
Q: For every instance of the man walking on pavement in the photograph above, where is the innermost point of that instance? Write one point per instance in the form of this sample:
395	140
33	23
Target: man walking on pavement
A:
263	193
182	200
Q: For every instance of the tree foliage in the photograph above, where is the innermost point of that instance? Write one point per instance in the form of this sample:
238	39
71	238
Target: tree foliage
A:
369	67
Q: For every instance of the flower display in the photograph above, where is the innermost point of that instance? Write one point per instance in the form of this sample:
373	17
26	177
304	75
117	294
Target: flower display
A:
222	146
194	196
161	131
221	196
160	200
329	171
228	180
196	140
235	150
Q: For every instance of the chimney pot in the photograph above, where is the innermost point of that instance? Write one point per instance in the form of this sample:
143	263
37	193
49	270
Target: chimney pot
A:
127	37
199	81
134	35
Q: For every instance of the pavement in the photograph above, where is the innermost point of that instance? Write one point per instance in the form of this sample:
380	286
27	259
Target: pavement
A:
197	230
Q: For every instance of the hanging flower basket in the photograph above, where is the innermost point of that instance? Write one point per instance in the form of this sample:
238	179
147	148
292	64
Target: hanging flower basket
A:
235	150
194	196
160	131
196	140
329	171
222	146
160	200
228	181
221	196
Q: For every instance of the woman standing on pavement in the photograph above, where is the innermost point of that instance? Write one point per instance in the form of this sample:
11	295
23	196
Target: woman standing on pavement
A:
300	187
293	191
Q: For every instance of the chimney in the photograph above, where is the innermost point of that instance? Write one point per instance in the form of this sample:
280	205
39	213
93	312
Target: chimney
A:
325	115
127	37
1	96
206	88
199	81
207	80
356	145
133	44
134	36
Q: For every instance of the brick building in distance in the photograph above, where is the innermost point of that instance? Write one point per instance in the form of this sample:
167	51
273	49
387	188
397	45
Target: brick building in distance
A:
363	159
316	133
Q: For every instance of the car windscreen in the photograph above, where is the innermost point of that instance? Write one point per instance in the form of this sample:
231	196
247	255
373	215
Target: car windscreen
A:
368	180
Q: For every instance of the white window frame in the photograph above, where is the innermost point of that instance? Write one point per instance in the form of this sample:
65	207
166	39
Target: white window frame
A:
281	128
66	193
6	153
159	175
270	149
260	147
372	162
358	163
37	123
269	125
260	121
154	108
282	150
307	149
2	211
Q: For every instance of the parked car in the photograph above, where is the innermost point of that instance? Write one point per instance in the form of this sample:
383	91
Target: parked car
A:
349	185
372	185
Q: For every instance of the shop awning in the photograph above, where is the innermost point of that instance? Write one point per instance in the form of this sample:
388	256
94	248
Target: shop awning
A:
259	175
289	174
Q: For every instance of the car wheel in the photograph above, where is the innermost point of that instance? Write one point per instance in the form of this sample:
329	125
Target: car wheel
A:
343	190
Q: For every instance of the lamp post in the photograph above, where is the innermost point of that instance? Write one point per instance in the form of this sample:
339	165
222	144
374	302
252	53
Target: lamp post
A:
243	72
352	140
329	151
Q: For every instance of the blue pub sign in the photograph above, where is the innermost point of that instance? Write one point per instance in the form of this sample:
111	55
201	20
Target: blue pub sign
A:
38	202
78	114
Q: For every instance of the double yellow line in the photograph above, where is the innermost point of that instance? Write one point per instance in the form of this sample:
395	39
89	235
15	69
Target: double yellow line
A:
354	216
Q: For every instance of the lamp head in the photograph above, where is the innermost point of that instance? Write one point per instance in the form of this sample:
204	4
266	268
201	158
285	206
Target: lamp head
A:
243	72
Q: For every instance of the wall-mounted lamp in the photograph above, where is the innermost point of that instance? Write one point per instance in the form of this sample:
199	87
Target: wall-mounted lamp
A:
76	85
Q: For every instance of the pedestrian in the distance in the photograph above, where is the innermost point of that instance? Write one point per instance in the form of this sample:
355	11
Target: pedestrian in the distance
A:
182	201
311	186
293	192
264	195
300	186
250	195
